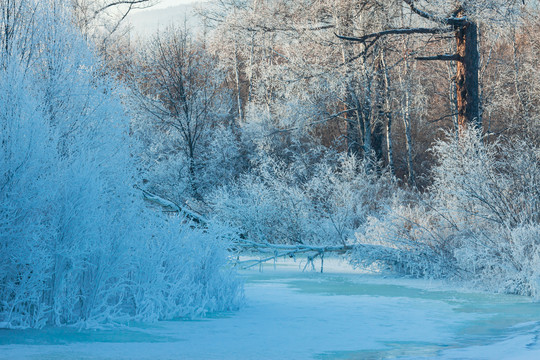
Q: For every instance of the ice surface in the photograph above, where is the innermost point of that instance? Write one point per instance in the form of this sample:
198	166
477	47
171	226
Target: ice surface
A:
301	315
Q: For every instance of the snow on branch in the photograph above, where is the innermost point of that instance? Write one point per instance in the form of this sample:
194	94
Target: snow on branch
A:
170	206
439	19
281	251
130	3
405	31
368	253
445	57
292	28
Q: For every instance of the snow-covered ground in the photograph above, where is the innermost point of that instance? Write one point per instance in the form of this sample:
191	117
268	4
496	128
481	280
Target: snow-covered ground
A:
291	314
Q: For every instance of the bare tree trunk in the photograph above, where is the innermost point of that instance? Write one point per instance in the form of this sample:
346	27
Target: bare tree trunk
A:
354	124
382	123
452	100
406	117
388	112
237	80
378	115
192	173
408	139
250	76
355	127
377	136
468	95
389	149
366	119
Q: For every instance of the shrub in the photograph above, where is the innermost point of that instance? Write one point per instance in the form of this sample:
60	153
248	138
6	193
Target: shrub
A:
77	245
479	222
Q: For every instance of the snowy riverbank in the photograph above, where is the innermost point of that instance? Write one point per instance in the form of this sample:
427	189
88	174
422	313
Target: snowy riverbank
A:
291	314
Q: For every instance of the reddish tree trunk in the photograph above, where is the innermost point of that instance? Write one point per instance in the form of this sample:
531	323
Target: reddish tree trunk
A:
468	98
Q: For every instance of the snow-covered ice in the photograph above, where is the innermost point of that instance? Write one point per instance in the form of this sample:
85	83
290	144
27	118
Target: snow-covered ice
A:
291	314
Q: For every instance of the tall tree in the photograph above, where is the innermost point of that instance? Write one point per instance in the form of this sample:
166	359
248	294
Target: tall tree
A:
462	20
179	86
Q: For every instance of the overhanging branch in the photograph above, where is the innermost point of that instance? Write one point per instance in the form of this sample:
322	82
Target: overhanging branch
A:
454	57
331	117
131	3
443	117
406	31
439	19
287	28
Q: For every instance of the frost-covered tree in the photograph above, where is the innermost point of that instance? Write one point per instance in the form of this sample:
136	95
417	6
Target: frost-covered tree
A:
479	222
102	19
179	88
77	243
462	18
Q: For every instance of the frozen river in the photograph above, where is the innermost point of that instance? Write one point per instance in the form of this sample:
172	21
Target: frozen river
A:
291	314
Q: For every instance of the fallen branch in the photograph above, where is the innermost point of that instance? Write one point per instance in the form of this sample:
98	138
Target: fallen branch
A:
170	206
370	253
281	251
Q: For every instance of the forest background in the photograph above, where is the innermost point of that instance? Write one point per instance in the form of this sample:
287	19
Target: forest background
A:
404	134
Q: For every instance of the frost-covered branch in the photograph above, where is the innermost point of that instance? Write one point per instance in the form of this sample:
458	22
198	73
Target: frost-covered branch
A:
454	57
451	20
171	206
406	31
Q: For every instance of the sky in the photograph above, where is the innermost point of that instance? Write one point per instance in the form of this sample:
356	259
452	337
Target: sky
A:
162	4
146	22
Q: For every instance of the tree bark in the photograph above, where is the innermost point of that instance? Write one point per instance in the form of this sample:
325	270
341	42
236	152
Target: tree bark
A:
389	146
467	88
354	119
406	117
382	116
354	126
388	113
237	83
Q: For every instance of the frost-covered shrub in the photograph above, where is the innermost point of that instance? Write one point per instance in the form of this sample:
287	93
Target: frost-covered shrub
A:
307	200
503	260
179	271
490	194
491	183
167	171
154	272
77	244
166	271
221	161
416	242
479	221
